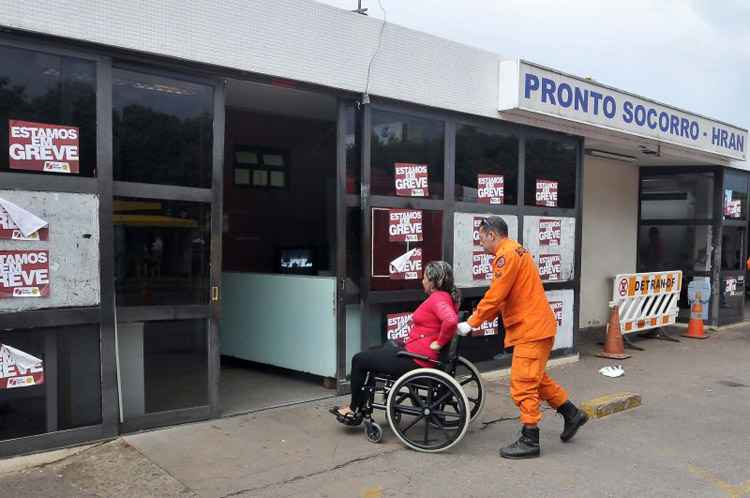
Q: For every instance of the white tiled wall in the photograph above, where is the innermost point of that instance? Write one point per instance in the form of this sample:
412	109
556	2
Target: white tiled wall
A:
296	39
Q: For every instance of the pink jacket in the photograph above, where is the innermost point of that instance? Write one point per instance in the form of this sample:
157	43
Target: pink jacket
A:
434	320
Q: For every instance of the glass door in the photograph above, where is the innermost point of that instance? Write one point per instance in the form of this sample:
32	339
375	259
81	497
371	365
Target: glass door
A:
734	204
167	158
732	275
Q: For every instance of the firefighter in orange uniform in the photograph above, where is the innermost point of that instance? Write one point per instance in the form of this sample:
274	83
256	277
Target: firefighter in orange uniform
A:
517	294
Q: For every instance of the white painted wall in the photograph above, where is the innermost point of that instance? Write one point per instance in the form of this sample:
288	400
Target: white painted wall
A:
610	231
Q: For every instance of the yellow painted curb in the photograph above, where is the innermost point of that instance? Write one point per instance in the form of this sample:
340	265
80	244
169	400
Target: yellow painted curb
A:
611	403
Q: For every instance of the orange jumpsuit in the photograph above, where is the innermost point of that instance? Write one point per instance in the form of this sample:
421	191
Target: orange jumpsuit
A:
517	294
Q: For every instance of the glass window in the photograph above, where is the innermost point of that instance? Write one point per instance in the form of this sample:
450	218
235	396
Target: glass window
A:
735	205
407	155
735	181
353	152
677	197
50	380
735	196
732	244
550	172
164	365
51	101
396	262
675	247
731	299
486	166
161	252
162	130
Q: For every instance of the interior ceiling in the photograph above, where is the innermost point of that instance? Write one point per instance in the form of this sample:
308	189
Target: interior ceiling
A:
278	100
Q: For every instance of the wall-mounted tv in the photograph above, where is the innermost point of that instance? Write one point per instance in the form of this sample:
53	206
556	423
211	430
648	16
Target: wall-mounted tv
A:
297	261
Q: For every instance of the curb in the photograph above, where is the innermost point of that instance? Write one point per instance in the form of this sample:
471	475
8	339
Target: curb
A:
23	462
555	362
604	406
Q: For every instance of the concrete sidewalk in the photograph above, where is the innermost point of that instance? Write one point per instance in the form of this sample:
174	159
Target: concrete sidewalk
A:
689	438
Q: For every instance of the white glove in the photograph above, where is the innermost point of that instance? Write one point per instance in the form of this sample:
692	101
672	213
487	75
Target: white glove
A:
464	329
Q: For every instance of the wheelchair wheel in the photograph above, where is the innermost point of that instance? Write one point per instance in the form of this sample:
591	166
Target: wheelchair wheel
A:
467	375
373	431
427	410
471	382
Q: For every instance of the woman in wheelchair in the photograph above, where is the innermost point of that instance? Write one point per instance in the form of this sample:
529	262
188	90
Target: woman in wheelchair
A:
433	326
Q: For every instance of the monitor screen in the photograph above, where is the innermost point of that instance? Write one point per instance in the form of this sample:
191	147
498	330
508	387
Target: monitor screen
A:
297	260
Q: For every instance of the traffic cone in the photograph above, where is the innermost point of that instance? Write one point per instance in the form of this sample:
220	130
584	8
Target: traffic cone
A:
695	325
614	347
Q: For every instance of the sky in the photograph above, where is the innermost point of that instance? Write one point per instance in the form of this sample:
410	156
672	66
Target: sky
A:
692	54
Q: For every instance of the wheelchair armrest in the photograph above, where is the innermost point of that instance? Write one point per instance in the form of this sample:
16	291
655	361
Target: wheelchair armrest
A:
417	356
413	355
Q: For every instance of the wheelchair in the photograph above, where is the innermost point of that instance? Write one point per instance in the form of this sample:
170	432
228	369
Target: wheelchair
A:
429	409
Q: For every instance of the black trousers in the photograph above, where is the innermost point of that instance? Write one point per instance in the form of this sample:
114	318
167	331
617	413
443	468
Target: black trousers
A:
382	360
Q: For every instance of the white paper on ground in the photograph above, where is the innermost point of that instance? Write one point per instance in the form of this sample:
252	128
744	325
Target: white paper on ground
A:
612	371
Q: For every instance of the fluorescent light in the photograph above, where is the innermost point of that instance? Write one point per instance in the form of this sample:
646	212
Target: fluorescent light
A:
610	155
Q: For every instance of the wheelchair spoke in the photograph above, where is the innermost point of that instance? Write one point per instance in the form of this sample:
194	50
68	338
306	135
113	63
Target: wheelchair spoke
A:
409	410
469	379
427	424
415	396
439	425
406	429
440	400
446	414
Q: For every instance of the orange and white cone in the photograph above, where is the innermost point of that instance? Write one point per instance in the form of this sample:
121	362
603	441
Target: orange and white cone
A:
695	325
614	346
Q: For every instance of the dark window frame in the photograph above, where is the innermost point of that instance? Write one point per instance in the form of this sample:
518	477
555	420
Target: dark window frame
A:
717	221
94	315
498	129
149	69
448	205
54	182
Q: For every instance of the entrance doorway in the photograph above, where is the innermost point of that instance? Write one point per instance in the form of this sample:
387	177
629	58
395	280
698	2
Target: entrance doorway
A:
277	331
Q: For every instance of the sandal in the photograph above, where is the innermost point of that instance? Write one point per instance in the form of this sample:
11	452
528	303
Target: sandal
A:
350	418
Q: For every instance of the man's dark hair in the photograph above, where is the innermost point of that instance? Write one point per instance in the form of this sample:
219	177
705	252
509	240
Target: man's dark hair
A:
495	224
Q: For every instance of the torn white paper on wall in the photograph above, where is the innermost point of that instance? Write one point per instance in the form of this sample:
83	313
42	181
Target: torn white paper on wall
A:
26	222
19	369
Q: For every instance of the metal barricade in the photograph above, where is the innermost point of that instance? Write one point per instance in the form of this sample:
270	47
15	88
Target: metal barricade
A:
647	300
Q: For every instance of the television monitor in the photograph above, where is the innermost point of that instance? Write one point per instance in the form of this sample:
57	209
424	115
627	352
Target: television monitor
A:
297	261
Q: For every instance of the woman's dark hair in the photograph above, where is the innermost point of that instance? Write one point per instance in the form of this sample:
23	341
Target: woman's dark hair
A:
440	274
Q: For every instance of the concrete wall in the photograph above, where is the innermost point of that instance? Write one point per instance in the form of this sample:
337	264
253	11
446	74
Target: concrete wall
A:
463	248
566	248
610	230
296	39
73	248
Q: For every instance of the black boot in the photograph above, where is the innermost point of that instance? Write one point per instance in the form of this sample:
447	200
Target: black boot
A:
574	419
527	445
